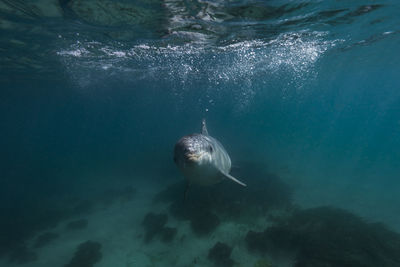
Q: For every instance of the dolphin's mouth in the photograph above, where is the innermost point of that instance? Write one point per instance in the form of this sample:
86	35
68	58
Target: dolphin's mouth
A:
192	157
190	150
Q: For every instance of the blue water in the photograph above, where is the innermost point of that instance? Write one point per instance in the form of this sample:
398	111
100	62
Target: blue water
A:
307	90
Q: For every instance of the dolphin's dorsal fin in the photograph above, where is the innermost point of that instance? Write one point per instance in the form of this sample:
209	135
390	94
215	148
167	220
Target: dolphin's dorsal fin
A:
204	127
227	175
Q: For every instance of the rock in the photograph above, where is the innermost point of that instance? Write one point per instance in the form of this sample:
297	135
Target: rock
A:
220	255
87	254
204	223
154	225
22	222
262	263
185	210
257	241
327	236
167	234
264	192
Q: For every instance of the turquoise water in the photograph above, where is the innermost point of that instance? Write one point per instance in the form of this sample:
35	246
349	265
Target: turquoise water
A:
94	95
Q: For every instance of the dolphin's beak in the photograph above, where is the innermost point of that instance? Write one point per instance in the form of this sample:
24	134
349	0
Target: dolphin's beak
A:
192	157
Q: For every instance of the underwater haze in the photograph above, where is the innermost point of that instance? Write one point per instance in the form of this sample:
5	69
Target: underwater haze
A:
304	96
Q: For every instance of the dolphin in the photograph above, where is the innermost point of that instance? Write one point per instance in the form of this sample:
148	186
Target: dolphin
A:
202	159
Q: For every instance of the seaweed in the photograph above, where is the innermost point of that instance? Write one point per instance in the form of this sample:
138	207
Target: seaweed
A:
220	254
257	241
262	263
22	222
204	223
154	227
25	218
167	234
87	254
327	236
264	191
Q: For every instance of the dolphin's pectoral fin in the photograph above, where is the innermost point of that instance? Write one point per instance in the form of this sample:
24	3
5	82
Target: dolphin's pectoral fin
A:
204	127
227	175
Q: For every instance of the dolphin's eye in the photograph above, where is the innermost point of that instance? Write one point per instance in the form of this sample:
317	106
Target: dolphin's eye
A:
210	149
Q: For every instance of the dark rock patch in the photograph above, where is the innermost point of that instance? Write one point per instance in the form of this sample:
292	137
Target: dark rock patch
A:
22	255
257	241
204	223
154	225
23	222
202	220
171	193
327	236
87	254
23	218
44	239
264	191
167	234
77	224
154	221
220	255
186	210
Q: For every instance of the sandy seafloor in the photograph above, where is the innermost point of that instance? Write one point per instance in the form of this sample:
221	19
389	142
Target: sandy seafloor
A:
118	227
